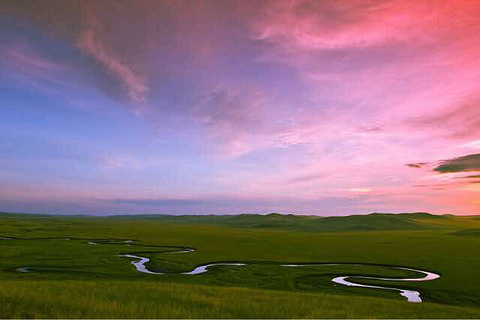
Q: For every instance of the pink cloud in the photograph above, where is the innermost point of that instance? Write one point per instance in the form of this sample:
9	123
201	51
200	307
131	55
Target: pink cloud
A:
376	65
387	83
371	67
29	66
313	25
384	58
22	57
460	121
232	117
90	40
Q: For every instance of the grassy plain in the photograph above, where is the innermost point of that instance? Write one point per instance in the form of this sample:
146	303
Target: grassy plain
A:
73	279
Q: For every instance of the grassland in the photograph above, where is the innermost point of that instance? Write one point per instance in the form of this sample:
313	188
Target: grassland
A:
73	279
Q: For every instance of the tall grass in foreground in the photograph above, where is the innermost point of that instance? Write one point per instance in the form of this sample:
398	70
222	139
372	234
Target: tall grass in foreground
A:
124	299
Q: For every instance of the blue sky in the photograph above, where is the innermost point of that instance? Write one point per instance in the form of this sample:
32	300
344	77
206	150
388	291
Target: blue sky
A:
199	107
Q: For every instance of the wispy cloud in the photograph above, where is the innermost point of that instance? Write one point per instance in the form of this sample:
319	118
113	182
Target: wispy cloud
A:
232	116
90	40
461	120
31	66
284	101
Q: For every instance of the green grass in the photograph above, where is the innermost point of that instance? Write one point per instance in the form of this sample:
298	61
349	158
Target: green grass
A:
467	232
140	299
74	279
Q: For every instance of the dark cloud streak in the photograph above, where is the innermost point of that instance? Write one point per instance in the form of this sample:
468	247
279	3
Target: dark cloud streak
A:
416	165
461	164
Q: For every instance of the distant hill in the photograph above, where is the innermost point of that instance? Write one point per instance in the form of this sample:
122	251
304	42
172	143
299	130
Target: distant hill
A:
374	221
369	222
203	219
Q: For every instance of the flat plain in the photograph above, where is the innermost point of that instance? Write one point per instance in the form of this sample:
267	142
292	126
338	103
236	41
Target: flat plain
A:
72	266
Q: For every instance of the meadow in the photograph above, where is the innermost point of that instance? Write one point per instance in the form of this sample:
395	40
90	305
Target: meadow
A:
75	279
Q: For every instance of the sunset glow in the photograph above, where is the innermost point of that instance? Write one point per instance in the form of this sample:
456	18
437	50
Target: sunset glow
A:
208	107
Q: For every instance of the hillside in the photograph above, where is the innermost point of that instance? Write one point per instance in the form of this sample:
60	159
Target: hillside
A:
368	222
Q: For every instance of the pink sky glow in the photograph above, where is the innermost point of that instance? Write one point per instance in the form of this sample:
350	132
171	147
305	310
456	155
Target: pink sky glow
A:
308	107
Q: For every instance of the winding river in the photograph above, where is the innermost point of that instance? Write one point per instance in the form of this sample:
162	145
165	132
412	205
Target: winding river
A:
139	263
411	295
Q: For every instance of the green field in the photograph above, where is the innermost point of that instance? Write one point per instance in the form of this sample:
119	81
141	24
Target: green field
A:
74	279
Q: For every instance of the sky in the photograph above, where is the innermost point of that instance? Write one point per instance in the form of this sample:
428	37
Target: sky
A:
222	107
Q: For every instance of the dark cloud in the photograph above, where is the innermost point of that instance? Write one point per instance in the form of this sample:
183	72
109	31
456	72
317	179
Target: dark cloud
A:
461	164
475	176
417	165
